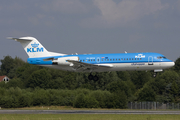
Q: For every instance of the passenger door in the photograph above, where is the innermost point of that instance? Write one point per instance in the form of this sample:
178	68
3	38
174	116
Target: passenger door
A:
150	60
98	60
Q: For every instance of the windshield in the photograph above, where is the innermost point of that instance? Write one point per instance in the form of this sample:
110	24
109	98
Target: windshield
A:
161	57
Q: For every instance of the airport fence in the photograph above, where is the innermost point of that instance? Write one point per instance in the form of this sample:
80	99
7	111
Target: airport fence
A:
153	105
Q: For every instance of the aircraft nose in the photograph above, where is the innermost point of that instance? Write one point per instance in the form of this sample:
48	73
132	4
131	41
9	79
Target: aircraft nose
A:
171	64
168	64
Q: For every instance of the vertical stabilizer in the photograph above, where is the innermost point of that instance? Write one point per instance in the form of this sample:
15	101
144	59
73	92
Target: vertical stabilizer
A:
32	47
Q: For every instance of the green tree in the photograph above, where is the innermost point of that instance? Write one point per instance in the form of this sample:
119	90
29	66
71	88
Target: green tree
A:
40	97
91	102
169	76
174	90
124	75
16	82
39	78
147	94
69	80
177	65
119	100
57	83
100	96
17	63
139	78
117	86
158	85
7	65
79	101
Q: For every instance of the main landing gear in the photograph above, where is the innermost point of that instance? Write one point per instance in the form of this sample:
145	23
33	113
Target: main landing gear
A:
91	77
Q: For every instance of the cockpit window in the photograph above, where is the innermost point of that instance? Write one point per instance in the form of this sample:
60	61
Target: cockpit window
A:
161	57
164	57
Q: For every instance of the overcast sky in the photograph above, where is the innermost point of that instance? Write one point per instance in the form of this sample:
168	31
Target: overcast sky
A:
92	26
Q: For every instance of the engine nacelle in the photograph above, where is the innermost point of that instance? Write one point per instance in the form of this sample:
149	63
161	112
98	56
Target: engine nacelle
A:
62	60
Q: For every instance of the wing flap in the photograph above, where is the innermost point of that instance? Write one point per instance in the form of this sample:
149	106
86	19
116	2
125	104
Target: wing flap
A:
49	59
86	66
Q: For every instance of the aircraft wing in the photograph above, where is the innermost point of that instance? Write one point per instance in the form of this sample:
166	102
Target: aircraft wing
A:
81	66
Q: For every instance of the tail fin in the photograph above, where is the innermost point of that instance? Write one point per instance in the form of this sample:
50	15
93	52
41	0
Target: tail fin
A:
33	47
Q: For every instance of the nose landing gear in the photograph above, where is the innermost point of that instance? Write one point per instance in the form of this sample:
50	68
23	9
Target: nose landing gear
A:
154	74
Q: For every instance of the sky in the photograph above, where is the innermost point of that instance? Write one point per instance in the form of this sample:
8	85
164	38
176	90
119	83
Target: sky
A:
92	26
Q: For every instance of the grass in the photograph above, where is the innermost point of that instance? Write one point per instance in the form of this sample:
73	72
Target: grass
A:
86	117
81	116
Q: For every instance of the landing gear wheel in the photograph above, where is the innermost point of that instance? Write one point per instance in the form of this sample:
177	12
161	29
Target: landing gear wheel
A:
95	78
90	77
155	74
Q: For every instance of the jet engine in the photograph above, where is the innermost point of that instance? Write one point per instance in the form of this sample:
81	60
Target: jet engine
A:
63	60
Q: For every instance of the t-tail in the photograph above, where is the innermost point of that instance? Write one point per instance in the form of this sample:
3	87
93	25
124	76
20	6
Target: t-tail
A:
34	48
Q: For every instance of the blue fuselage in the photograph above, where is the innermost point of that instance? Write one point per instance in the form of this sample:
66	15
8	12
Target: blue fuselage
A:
119	61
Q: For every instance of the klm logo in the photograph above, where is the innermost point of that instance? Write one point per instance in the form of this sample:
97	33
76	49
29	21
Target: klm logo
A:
35	48
140	56
35	45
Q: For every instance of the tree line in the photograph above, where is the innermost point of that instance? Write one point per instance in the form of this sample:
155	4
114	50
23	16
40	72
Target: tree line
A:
32	85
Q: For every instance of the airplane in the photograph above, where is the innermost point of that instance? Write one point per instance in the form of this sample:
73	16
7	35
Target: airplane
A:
38	55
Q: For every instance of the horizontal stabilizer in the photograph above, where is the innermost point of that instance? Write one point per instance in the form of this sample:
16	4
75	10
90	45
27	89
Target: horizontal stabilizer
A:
16	39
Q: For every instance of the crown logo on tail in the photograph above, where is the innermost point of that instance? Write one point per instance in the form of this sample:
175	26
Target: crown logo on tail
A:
35	45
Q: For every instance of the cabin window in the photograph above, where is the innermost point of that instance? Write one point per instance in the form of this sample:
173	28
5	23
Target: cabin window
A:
119	59
137	58
132	58
129	58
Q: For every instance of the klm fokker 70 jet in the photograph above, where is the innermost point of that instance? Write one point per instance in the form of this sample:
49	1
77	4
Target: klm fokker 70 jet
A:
38	55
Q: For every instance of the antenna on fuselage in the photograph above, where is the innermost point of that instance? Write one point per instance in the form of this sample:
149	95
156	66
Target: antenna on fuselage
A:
125	52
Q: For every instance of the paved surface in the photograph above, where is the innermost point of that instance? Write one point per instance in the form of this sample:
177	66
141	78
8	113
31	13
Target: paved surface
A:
85	112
